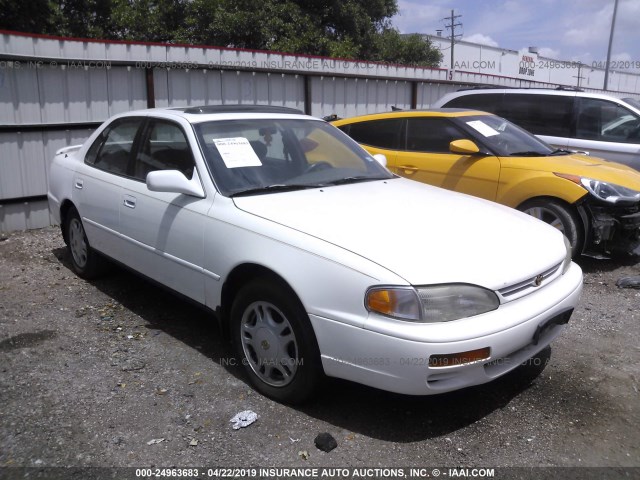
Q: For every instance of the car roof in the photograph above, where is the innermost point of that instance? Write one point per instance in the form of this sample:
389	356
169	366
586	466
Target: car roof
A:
566	92
431	112
204	113
206	109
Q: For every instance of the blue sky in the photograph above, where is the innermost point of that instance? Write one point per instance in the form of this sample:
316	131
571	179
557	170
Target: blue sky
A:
565	30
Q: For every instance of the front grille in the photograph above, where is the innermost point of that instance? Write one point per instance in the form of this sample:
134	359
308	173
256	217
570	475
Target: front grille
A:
530	285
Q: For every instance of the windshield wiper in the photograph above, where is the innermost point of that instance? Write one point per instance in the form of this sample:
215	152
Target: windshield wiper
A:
356	179
283	187
528	153
561	151
280	187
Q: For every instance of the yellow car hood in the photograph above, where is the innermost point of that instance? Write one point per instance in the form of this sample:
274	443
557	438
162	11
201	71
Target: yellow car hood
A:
579	165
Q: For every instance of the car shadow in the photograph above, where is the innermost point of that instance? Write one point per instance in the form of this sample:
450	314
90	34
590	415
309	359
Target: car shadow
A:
347	405
163	310
595	265
403	418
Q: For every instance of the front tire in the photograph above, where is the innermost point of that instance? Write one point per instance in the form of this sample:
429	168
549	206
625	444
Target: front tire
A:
85	261
275	342
560	216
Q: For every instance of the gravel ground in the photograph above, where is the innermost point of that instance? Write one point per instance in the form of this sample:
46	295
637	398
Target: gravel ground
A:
118	372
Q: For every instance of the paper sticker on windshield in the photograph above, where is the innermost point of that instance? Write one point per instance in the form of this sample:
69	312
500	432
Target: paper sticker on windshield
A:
483	128
237	152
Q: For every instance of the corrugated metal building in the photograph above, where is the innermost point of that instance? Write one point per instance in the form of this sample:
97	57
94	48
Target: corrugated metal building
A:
55	91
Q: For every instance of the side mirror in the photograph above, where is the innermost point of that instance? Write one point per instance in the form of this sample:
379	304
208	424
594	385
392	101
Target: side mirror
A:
382	160
175	182
463	147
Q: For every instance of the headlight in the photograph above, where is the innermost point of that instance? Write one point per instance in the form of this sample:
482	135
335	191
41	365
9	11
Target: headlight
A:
567	258
443	303
396	302
610	192
436	303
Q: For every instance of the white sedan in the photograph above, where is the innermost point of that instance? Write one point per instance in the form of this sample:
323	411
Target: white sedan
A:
315	257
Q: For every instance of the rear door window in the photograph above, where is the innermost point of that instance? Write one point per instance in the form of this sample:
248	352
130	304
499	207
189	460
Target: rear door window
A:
606	121
111	151
539	114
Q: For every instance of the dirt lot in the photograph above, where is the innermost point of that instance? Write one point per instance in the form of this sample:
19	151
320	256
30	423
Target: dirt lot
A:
118	372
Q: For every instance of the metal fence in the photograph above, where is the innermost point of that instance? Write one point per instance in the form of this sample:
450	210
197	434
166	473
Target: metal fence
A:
55	91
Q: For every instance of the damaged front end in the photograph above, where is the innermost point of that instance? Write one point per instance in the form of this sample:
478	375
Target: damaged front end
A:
615	229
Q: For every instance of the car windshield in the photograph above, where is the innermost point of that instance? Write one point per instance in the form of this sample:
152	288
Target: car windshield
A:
255	156
505	138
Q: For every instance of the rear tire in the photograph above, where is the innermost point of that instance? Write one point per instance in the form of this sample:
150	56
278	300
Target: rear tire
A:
275	341
560	216
86	262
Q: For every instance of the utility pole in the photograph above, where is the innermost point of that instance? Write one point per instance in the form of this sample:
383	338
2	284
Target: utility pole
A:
579	77
613	24
452	26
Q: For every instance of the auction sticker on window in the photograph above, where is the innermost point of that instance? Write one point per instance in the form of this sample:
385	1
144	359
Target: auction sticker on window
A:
237	152
483	128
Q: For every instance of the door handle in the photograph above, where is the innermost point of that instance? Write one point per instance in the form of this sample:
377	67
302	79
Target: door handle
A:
78	184
408	169
129	201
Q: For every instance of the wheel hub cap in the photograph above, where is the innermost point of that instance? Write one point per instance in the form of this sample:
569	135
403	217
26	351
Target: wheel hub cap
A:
546	216
269	344
76	243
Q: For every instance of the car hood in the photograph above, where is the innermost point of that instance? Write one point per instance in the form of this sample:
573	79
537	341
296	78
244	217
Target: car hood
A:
580	165
422	233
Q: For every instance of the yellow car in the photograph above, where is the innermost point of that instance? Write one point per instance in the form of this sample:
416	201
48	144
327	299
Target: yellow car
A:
595	203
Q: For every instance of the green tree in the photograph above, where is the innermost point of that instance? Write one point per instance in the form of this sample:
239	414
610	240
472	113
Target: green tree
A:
148	20
33	17
81	18
411	49
355	29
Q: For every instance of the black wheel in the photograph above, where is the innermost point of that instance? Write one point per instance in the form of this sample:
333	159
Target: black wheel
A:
85	261
275	342
560	216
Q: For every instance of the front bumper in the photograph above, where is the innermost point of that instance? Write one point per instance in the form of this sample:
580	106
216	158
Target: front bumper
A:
402	365
614	230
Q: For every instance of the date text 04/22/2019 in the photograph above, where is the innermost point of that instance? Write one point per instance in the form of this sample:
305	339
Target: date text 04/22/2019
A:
617	64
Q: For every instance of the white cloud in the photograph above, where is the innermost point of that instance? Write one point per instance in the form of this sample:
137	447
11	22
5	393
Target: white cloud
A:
569	30
621	57
481	39
549	52
589	28
416	17
577	36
